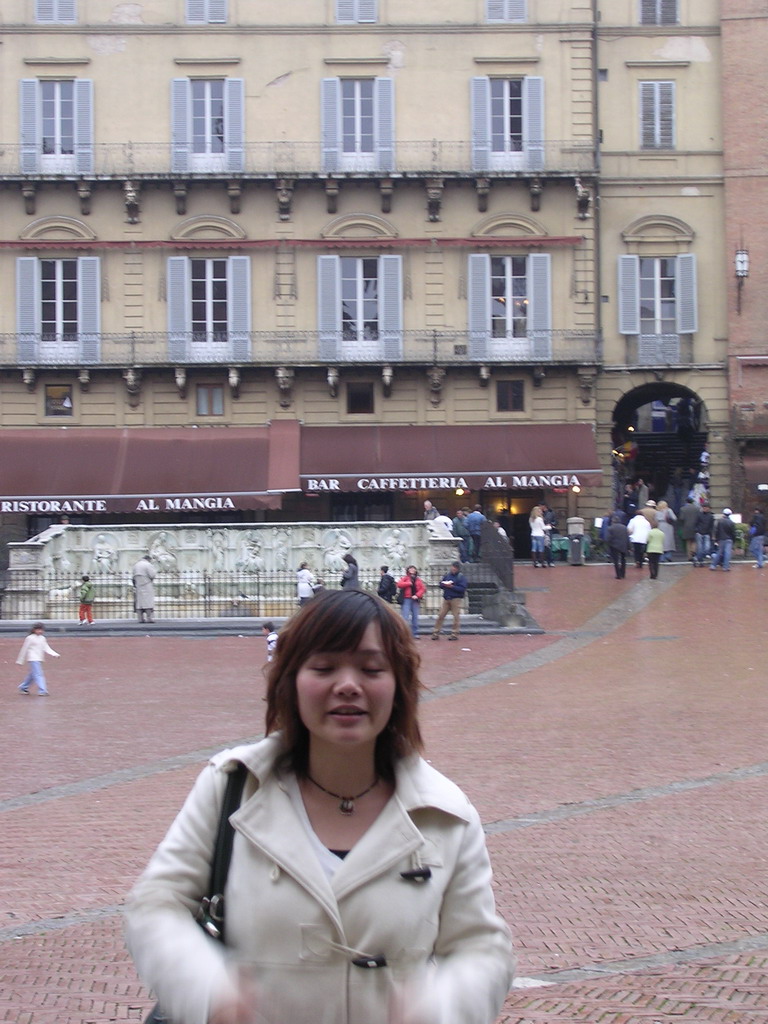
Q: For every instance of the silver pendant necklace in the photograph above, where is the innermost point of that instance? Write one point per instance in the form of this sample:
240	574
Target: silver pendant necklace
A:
346	803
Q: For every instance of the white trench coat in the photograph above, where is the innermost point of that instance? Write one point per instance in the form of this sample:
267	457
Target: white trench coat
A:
299	933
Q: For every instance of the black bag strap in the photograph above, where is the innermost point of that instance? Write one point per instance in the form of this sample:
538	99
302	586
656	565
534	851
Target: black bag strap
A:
211	915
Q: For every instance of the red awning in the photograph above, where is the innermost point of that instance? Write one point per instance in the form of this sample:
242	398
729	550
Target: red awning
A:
77	470
500	456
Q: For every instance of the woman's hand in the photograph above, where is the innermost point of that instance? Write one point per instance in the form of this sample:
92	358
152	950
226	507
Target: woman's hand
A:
239	1006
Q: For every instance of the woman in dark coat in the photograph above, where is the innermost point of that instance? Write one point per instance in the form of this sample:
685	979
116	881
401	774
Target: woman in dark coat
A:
349	578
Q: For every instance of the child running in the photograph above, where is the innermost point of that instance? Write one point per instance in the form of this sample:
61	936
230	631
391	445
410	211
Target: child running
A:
33	652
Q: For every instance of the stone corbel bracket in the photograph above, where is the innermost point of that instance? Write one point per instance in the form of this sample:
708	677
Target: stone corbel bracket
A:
132	378
85	194
180	190
386	189
332	189
131	199
587	380
387	374
483	188
535	188
332	378
84	379
29	377
284	376
435	376
233	379
29	192
235	193
435	187
583	200
180	377
284	192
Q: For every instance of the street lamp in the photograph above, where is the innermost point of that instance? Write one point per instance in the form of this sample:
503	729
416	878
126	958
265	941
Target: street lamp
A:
741	266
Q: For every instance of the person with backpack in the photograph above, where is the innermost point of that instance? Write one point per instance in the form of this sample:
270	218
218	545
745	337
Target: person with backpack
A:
387	587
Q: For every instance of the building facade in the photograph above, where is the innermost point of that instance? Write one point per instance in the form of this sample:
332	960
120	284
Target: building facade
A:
745	37
457	250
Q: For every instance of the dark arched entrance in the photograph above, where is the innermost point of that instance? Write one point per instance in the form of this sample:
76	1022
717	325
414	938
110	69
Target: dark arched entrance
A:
659	434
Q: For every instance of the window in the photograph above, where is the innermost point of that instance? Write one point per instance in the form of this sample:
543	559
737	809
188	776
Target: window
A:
508	123
58	400
210	400
57	126
206	12
360	304
58	309
358	124
509	396
657	115
352	12
657	302
658	12
209	308
56	12
510	306
207	119
505	10
359	398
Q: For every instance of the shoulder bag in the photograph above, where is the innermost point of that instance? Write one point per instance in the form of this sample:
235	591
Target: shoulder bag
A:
210	916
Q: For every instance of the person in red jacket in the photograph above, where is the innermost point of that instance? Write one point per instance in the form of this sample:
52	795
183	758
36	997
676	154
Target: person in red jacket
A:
413	589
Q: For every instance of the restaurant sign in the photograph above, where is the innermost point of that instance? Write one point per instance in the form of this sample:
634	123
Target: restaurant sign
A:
119	503
470	482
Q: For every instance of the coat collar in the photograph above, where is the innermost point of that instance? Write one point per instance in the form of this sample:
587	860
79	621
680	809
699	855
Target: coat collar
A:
267	818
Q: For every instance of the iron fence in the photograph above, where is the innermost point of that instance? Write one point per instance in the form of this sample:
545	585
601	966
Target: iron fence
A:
184	595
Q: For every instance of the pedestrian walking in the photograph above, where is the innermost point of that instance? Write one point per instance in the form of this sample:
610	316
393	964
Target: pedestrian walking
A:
454	586
350	578
270	635
757	538
725	534
654	549
359	889
617	539
305	584
413	589
386	588
86	601
33	652
143	581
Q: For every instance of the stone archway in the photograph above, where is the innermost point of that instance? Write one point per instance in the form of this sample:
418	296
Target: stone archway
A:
659	435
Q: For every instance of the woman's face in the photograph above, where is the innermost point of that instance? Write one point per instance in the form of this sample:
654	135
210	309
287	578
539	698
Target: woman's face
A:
345	698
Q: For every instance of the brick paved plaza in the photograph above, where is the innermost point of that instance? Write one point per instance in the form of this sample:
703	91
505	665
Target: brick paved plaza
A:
618	761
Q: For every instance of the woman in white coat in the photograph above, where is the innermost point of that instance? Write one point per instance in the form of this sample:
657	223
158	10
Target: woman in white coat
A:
359	890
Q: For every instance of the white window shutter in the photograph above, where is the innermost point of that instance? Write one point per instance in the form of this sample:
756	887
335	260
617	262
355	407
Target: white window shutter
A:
234	99
217	12
29	120
669	12
239	306
495	10
27	308
181	115
685	290
629	294
540	304
66	12
647	115
89	308
346	12
391	305
516	10
666	115
367	12
481	123
329	306
45	11
384	92
84	126
533	122
196	12
179	308
330	126
479	304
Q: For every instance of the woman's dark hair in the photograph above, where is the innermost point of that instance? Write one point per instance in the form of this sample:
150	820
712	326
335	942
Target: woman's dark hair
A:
349	559
335	621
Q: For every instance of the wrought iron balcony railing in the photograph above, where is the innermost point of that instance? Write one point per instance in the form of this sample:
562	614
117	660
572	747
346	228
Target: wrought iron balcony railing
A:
297	348
296	159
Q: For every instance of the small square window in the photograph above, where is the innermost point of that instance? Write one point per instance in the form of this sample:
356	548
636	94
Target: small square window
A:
359	398
510	396
58	400
210	400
